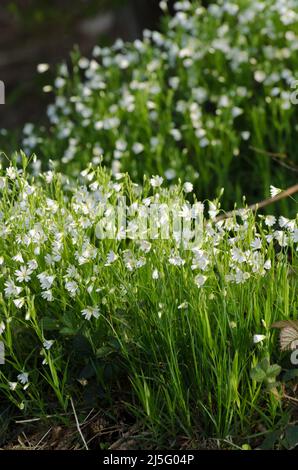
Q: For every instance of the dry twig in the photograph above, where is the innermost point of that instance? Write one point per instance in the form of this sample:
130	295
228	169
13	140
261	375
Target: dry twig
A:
78	424
259	205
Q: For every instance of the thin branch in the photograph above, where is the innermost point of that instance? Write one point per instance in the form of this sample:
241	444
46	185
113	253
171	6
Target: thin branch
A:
78	424
42	439
26	421
32	420
269	154
288	397
278	158
124	438
259	205
285	165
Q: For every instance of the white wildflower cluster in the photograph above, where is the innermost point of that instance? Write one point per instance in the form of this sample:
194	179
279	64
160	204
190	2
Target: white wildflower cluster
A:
173	101
52	259
57	250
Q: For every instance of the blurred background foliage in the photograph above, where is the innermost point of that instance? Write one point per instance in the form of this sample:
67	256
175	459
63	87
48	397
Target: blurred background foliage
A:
45	31
36	16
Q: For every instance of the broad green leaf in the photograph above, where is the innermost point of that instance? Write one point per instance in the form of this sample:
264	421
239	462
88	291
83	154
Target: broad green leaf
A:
290	440
258	374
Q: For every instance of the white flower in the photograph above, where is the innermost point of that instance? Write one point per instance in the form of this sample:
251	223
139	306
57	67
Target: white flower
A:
188	187
256	244
46	280
245	135
170	174
281	237
186	212
137	148
163	5
267	264
71	287
145	246
19	302
176	134
183	306
72	272
47	89
59	82
111	258
13	385
11	289
47	295
274	191
49	260
176	261
32	264
241	276
213	210
259	76
11	172
156	181
42	68
200	260
90	312
49	175
236	111
155	274
23	378
269	238
2	327
270	220
258	338
83	63
200	280
47	344
18	257
23	274
238	255
98	125
284	222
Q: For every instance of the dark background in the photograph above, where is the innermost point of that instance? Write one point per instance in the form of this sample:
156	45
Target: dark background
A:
45	31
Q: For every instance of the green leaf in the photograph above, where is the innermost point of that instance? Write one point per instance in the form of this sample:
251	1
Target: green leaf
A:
265	364
93	393
68	331
70	324
290	375
82	346
49	324
69	319
270	440
290	440
245	447
258	374
104	351
273	371
87	372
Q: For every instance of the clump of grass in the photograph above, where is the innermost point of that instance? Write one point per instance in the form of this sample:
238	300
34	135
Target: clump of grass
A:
205	100
167	322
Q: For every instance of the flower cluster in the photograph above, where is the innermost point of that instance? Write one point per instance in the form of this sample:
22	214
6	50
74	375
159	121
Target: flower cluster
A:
56	239
60	279
190	102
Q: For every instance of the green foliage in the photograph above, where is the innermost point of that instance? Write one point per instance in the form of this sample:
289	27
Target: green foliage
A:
264	372
35	15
